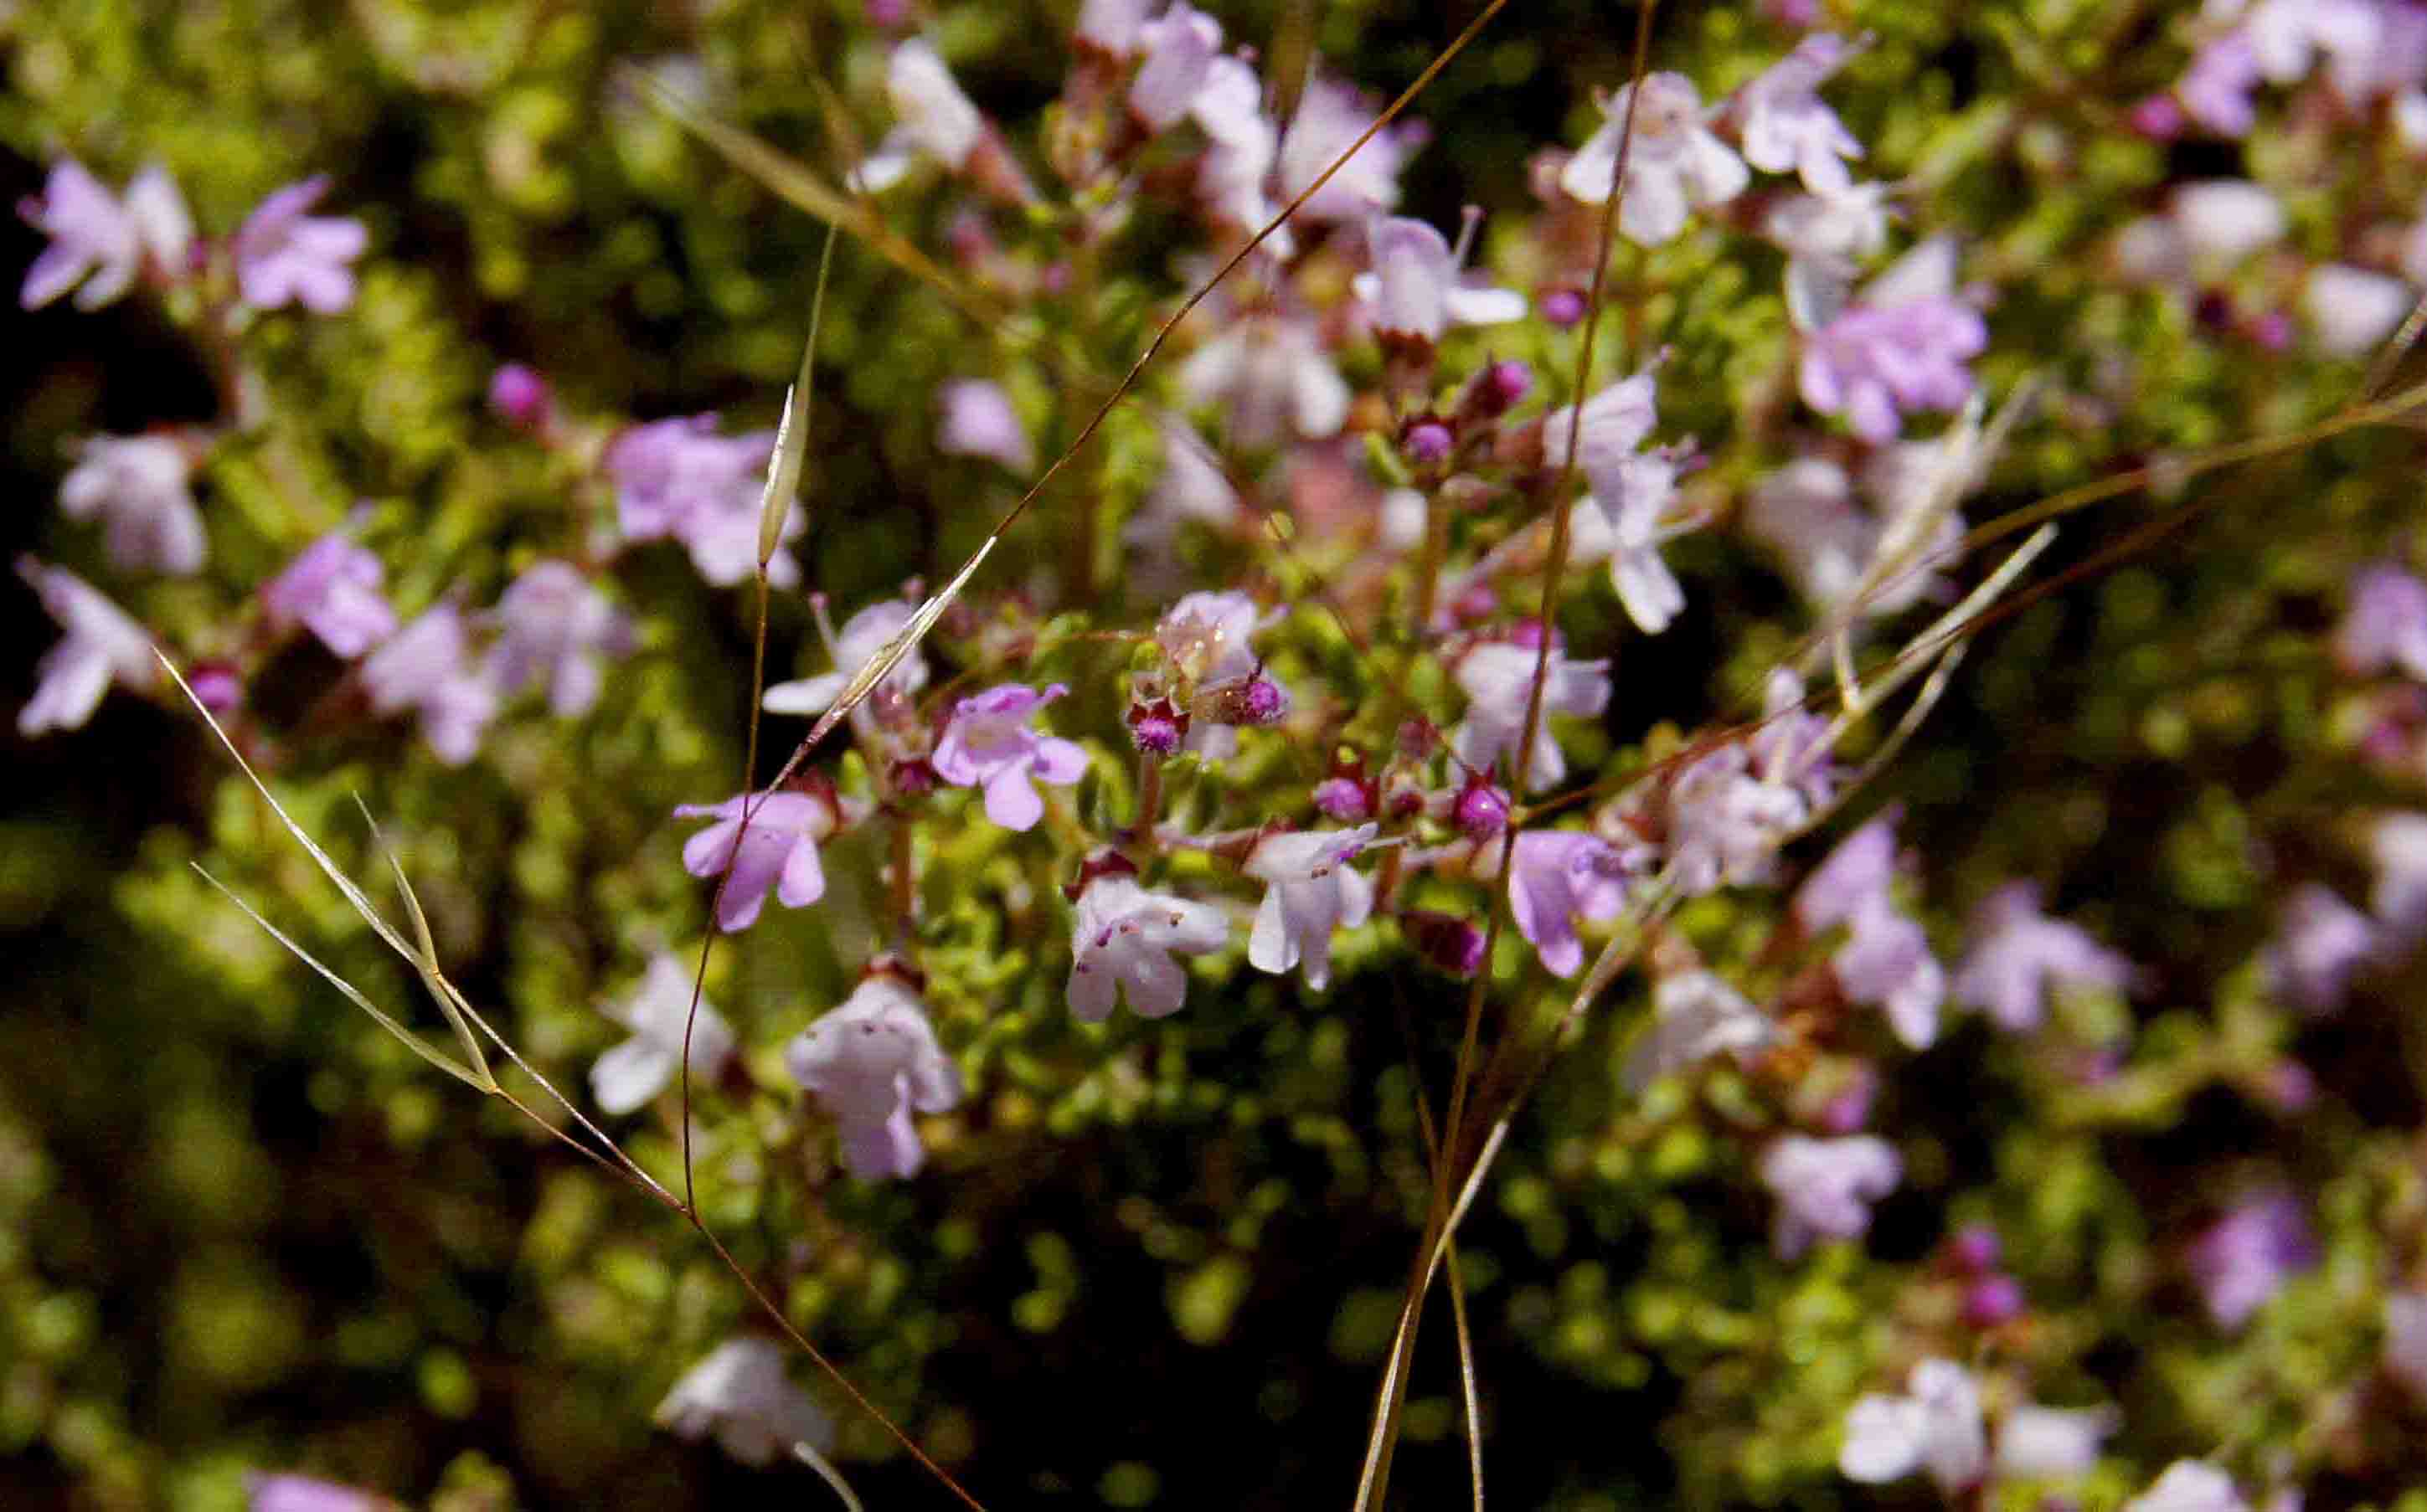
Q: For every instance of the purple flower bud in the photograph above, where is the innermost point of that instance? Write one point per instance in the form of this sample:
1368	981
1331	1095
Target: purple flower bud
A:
1156	733
2292	1087
1562	307
2272	331
2160	118
1477	603
1992	1300
888	13
1452	944
217	685
914	778
1975	1248
1850	1110
1429	442
520	394
1482	809
1504	384
1344	799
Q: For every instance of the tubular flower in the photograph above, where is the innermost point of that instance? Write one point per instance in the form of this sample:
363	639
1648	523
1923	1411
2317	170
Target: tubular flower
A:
1123	947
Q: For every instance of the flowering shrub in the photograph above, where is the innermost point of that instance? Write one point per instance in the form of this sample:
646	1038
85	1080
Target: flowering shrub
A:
1770	709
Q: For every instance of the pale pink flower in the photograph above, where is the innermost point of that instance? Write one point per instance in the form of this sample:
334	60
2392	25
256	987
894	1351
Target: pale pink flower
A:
987	745
1556	876
1417	290
1674	163
425	667
1497	678
2190	1485
739	1393
870	1064
284	257
2244	1259
140	486
2321	943
101	645
556	627
1309	890
629	1074
1180	46
864	636
1936	1426
99	240
1825	1187
1275	376
2018	955
979	421
332	589
1696	1014
1330	116
1900	346
1787	127
2351	310
779	850
937	119
1123	945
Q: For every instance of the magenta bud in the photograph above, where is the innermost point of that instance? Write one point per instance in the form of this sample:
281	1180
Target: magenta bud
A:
2160	118
1527	633
1975	1248
1477	603
1992	1300
1481	811
1155	734
914	778
888	13
216	686
2291	1086
1427	441
520	394
1507	382
1344	800
2273	331
1562	307
1452	944
1260	702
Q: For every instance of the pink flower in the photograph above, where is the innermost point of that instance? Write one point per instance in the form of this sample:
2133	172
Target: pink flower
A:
870	1064
1330	116
1181	45
1309	890
1936	1426
2245	1257
2405	1341
2321	943
1674	163
141	485
938	120
740	1393
1416	289
2190	1485
302	1493
629	1074
2397	844
332	589
1900	346
1631	492
554	627
1555	875
864	636
101	645
2385	625
979	421
2215	90
1497	678
1825	1187
101	241
2018	954
2351	310
779	851
1696	1014
284	257
678	477
1789	127
1275	376
1885	960
987	745
1123	945
1232	176
423	667
2051	1443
